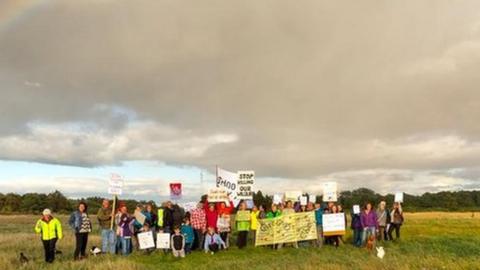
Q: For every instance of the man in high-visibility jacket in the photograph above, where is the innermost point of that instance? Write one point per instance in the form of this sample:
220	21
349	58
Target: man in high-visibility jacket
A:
50	229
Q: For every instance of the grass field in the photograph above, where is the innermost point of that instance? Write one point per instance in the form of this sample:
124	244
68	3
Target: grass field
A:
431	240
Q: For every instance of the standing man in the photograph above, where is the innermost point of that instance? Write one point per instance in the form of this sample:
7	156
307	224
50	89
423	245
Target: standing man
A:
108	234
198	220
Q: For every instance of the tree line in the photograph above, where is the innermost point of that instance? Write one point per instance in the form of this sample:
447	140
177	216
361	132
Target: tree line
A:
34	203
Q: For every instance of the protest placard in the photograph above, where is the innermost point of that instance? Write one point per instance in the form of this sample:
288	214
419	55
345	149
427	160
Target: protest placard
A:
189	206
277	198
145	240
333	224
245	183
242	215
312	198
303	200
163	240
399	197
249	203
330	192
116	183
356	209
293	195
175	191
217	195
285	229
139	217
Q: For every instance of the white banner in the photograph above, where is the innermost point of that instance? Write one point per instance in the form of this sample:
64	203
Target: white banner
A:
145	240
163	240
246	179
334	224
330	192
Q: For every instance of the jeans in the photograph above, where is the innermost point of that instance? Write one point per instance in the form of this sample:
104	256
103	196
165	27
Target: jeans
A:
367	232
357	237
199	238
108	241
126	245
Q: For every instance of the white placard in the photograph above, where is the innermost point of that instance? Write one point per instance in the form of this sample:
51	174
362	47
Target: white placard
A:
115	184
189	206
333	223
145	240
163	240
217	195
277	198
303	200
312	198
330	192
399	197
228	181
114	191
356	209
246	179
293	195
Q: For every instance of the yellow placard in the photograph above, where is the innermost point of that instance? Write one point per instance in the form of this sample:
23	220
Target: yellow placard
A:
287	228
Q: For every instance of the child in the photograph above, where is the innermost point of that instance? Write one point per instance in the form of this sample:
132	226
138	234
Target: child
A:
254	221
178	243
243	226
213	241
187	232
223	227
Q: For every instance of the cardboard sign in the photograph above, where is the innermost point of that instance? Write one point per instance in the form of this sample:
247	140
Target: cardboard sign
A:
356	209
189	206
163	240
399	197
333	224
293	195
277	198
246	179
303	200
330	192
115	184
285	229
243	215
175	191
140	217
145	240
217	195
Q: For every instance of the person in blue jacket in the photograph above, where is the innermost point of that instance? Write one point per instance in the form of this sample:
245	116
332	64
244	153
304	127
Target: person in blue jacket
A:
80	222
319	222
187	231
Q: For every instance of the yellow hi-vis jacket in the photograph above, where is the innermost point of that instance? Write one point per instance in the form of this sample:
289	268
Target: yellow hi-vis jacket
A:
50	230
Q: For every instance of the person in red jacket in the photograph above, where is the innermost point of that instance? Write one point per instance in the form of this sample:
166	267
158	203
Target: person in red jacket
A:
222	208
212	215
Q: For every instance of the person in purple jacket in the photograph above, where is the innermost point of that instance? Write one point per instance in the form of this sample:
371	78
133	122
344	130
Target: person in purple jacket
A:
369	222
125	230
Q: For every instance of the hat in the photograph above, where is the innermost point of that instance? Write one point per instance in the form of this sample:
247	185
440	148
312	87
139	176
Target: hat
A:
47	212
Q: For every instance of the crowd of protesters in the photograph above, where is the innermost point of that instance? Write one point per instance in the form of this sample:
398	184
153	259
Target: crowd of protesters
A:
209	226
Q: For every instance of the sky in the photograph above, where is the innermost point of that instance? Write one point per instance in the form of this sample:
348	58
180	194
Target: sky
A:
383	95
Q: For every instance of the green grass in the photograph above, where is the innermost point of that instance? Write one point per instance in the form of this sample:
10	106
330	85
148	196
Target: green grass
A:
429	241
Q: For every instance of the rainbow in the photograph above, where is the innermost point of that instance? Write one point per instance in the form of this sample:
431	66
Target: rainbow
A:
12	11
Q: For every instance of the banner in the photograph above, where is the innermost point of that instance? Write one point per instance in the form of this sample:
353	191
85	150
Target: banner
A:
175	191
399	197
330	192
333	224
217	195
285	229
115	184
245	182
243	216
163	240
145	240
293	195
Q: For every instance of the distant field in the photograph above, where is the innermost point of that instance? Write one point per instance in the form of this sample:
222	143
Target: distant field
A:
430	240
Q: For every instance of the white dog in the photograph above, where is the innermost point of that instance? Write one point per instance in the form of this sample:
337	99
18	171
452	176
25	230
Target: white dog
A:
380	252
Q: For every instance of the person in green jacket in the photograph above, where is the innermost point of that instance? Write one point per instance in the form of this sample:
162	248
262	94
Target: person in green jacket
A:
104	217
243	225
274	212
50	229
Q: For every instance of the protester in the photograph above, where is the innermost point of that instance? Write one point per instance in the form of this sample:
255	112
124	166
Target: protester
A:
177	243
168	217
213	241
243	226
262	214
137	226
319	223
223	227
369	222
357	229
189	235
254	222
397	220
125	230
50	229
274	212
80	222
212	215
104	217
382	214
288	210
151	220
177	215
199	225
333	239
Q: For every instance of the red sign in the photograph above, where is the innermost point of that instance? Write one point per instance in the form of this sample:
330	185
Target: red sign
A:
175	190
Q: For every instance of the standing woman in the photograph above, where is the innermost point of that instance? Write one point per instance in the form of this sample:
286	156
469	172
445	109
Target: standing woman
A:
382	214
81	224
243	226
369	222
397	220
51	230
